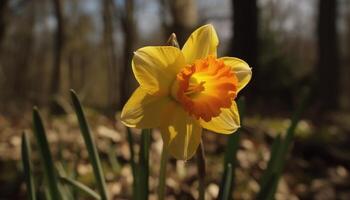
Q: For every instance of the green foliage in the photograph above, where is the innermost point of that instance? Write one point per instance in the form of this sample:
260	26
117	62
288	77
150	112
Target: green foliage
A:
45	155
27	166
54	189
57	189
269	180
162	173
90	145
132	160
143	165
62	188
226	187
80	187
112	157
279	152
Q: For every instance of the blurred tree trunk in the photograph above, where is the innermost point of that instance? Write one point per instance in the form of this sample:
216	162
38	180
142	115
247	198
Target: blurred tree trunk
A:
3	91
328	57
244	43
128	25
346	64
184	18
3	8
24	51
58	45
110	53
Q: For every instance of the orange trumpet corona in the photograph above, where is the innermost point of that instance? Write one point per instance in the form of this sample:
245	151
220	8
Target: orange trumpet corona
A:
205	87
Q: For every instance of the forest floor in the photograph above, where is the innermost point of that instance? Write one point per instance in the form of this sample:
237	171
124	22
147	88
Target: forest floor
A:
317	168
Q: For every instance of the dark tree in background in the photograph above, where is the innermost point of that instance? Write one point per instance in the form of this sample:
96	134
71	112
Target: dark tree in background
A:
184	18
3	7
328	57
58	45
26	41
110	52
245	34
180	17
128	26
14	74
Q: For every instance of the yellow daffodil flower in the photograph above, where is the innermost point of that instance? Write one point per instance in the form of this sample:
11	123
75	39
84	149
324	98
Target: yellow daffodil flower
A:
183	91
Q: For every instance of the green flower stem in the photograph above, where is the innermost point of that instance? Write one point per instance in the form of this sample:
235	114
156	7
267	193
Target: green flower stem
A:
132	162
201	171
162	173
143	165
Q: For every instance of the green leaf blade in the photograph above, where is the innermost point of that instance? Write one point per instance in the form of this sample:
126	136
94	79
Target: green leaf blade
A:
91	147
45	155
81	187
279	151
272	164
27	166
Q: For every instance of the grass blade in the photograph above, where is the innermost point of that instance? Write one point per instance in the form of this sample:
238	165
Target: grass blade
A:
280	147
113	158
271	166
80	187
45	155
227	186
47	194
73	175
291	130
91	148
267	191
64	190
230	153
27	166
143	170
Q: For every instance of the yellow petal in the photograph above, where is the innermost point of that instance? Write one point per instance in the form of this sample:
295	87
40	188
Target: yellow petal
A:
155	67
226	123
200	44
144	110
240	68
181	133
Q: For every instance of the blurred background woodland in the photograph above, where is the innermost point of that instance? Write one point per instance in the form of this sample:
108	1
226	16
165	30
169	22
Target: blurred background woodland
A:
50	46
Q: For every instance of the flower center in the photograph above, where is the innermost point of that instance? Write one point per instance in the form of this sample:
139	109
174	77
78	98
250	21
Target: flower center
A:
205	87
